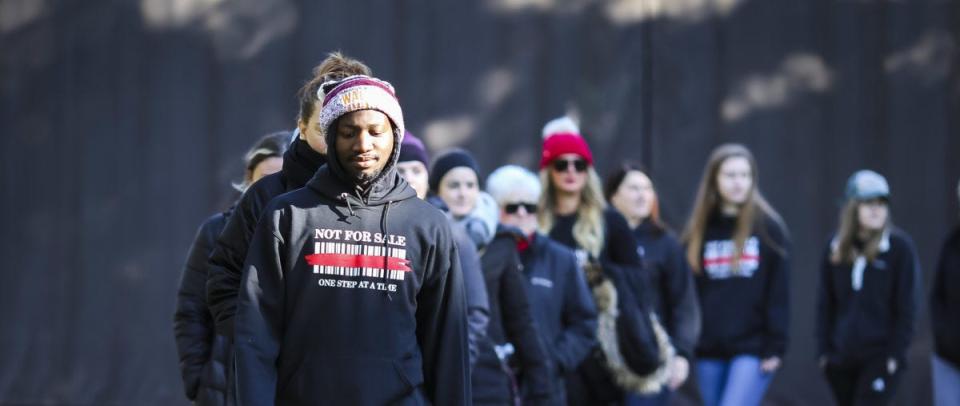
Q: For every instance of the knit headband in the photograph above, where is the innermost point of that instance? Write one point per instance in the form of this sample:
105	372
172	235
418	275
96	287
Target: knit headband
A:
357	93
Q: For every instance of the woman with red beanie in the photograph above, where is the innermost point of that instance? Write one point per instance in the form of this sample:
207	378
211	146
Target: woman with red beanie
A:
573	212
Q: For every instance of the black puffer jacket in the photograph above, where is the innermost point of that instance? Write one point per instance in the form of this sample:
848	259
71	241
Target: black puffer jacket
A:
203	354
511	322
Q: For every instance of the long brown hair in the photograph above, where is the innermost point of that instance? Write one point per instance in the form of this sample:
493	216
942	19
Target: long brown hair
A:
749	218
844	250
588	230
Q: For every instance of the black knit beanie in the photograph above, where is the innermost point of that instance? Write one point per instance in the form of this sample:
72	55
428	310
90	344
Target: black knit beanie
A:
448	161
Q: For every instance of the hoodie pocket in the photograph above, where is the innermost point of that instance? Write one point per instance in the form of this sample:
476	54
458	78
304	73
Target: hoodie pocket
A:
354	380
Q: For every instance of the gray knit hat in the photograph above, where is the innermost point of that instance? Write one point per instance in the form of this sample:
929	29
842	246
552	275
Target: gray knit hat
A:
866	185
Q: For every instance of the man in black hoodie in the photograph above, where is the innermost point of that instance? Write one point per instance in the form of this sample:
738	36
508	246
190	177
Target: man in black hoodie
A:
352	291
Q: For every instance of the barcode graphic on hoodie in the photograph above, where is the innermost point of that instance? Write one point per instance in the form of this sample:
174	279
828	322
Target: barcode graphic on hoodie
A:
371	261
718	259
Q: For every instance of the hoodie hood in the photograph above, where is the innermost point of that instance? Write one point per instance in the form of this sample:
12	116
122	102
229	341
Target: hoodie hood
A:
300	163
389	186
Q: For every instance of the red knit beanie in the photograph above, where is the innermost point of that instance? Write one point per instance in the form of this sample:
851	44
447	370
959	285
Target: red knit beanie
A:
564	143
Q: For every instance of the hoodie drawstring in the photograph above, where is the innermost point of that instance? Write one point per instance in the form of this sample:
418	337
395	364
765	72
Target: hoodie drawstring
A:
346	198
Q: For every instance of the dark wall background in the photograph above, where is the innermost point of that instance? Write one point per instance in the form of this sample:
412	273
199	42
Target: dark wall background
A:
123	123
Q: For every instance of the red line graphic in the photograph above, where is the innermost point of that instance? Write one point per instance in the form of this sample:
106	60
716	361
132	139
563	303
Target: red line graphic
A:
358	261
727	260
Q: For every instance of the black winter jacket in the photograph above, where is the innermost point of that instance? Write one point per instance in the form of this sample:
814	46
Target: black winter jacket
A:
300	162
878	320
510	322
945	301
203	354
670	282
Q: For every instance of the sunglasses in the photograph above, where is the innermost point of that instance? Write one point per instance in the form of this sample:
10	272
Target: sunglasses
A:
561	165
513	208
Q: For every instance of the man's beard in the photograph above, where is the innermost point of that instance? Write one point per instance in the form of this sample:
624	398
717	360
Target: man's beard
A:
364	179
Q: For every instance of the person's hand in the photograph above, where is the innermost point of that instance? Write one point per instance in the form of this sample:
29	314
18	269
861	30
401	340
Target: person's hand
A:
822	362
770	365
679	372
891	366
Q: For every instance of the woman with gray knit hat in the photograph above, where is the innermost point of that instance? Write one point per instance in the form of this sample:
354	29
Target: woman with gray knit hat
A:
867	303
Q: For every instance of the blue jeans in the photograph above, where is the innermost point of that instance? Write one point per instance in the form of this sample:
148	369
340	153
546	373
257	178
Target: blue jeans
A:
661	398
946	383
734	382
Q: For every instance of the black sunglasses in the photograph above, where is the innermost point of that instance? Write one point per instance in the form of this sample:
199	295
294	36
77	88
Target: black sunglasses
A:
561	165
513	208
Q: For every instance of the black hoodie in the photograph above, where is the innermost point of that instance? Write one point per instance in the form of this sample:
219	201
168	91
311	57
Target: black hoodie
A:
352	298
300	163
945	301
745	310
876	321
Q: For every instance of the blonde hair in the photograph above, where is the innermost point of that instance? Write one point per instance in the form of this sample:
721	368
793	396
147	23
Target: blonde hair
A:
588	231
843	249
749	218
